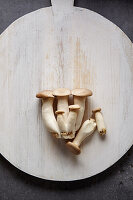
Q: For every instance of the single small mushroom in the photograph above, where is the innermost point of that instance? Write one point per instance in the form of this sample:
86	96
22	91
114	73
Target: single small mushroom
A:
79	98
71	122
86	130
62	95
48	113
99	121
61	122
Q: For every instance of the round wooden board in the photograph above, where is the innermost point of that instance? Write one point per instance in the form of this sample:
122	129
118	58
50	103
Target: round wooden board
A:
64	46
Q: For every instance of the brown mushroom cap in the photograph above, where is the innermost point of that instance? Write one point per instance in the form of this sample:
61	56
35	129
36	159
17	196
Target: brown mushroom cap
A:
59	112
61	92
73	148
45	94
74	107
81	92
96	110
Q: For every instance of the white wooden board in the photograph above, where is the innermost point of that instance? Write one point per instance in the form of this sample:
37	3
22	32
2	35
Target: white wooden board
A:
64	46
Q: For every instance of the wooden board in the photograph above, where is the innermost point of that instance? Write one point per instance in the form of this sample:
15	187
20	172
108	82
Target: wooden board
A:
64	46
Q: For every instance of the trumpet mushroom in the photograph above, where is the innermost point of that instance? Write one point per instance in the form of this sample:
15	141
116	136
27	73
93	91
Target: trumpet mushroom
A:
86	130
62	95
47	112
79	98
99	121
71	122
61	121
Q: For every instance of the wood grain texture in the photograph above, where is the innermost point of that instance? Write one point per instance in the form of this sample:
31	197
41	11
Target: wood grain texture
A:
72	48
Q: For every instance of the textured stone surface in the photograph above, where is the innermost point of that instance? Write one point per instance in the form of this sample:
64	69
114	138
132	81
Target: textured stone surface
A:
116	182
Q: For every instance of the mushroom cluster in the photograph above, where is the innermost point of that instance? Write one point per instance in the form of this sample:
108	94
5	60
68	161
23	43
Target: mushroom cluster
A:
66	122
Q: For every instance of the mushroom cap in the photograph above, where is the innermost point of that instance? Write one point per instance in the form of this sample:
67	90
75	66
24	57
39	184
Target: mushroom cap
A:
74	107
82	92
59	112
96	110
45	94
73	148
61	92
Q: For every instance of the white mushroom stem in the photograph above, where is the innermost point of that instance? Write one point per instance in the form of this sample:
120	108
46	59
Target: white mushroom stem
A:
86	130
100	123
48	116
80	95
63	105
71	122
61	121
62	95
81	102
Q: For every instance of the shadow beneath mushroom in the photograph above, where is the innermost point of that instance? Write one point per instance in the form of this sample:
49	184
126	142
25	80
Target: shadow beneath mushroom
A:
55	106
70	100
102	137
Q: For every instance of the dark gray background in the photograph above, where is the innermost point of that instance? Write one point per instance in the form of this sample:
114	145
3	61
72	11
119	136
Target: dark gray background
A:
116	183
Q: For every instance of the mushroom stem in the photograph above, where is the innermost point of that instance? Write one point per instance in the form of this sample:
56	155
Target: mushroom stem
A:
71	122
99	121
61	121
79	98
81	102
86	130
48	116
48	113
62	95
63	105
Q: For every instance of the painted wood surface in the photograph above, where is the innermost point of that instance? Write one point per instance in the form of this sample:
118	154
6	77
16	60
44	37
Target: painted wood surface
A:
64	46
